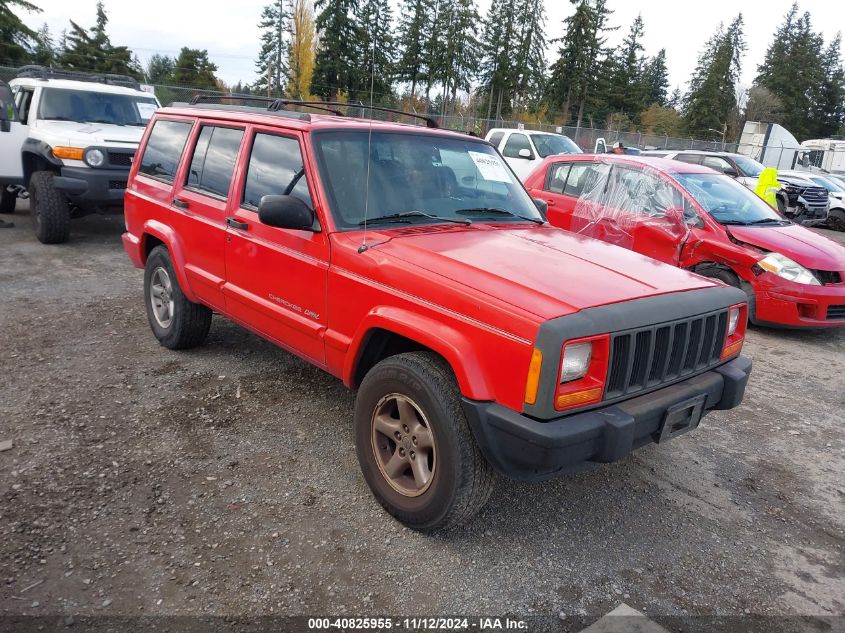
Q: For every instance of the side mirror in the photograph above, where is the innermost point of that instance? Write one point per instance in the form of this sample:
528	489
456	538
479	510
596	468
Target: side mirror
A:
542	206
5	125
730	171
526	153
287	212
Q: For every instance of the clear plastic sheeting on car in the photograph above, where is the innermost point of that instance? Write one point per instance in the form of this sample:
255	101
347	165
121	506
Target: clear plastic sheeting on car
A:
625	205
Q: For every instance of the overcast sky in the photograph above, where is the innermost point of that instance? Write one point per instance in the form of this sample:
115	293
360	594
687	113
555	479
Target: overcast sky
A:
231	35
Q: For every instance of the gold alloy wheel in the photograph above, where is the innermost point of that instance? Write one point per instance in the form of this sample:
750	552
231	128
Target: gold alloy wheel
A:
403	445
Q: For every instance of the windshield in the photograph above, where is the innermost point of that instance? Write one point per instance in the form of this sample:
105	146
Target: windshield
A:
830	185
727	201
551	144
86	106
428	178
748	166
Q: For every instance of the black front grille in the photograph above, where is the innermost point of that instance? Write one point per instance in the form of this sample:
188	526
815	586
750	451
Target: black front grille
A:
648	357
815	195
826	277
121	159
835	312
117	184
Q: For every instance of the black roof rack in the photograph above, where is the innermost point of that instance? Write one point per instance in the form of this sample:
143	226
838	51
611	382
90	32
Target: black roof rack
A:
301	116
43	72
429	122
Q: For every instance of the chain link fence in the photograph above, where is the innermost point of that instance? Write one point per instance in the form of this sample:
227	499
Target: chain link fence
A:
829	158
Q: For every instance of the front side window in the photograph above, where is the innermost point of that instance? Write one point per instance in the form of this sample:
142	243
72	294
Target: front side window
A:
214	159
717	163
275	168
496	139
693	159
417	175
748	166
515	144
86	106
164	149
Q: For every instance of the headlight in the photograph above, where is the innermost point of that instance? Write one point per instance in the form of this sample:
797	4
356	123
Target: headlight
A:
95	157
733	320
784	267
575	362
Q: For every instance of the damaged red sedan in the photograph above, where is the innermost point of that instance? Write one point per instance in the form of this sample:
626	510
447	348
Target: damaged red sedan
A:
698	219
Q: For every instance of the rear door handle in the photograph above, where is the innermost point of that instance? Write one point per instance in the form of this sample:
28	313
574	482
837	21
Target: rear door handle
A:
182	204
551	203
236	224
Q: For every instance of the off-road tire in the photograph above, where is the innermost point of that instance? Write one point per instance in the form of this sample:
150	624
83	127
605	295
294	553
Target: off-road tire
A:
732	279
8	200
190	321
462	481
49	209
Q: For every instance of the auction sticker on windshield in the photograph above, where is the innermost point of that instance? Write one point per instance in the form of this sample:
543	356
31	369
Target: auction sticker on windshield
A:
490	167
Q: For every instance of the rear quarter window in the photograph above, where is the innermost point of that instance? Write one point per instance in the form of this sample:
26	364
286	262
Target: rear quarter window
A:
164	149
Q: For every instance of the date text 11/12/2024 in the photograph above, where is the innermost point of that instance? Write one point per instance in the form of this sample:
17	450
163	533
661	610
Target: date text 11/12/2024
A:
417	624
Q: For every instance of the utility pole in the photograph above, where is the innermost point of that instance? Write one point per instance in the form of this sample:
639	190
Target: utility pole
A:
269	78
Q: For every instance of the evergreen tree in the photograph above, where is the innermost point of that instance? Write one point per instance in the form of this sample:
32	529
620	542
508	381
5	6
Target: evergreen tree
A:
460	51
336	68
15	37
412	41
92	50
272	63
829	100
303	39
375	54
44	53
193	68
160	69
529	60
656	80
581	56
711	99
793	71
676	99
626	89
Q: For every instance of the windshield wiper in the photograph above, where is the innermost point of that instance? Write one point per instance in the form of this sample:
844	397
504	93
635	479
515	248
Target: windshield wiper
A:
103	121
404	217
495	211
731	222
769	221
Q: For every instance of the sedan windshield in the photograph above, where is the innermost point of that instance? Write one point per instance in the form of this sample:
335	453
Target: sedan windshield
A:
552	144
727	201
417	178
85	106
748	166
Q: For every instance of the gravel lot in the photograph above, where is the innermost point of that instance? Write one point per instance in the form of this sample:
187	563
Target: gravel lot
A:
223	481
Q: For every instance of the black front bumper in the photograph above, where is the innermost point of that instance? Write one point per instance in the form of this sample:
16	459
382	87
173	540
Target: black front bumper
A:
89	187
524	448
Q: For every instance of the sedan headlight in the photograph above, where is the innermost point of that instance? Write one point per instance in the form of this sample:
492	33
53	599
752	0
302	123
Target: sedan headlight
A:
575	361
784	267
95	157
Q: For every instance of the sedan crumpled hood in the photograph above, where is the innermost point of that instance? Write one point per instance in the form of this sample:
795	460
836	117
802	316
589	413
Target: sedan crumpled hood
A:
800	244
546	271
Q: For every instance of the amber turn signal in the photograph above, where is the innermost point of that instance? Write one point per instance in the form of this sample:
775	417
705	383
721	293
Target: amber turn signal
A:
533	382
578	398
71	153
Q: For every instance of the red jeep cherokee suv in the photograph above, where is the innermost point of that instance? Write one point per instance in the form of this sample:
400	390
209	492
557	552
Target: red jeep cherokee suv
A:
412	264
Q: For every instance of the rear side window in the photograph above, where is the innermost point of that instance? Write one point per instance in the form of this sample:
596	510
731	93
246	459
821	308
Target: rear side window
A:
585	177
164	149
496	139
695	159
516	143
214	160
557	177
275	168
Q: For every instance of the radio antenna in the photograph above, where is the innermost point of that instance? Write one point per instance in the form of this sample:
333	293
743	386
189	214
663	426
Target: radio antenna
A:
364	246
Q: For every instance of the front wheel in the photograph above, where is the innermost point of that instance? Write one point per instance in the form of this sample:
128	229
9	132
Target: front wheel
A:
49	209
414	444
177	322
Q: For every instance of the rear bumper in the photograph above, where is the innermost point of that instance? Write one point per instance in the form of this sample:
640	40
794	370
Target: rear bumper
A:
90	187
523	448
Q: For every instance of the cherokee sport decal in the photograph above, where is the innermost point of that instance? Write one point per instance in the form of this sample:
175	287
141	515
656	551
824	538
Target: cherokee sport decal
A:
284	302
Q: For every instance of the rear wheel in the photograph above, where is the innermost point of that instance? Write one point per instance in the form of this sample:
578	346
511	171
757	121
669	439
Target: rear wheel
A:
8	200
49	209
414	445
177	322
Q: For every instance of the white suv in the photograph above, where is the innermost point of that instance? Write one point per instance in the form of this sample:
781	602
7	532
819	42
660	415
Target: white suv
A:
525	149
69	144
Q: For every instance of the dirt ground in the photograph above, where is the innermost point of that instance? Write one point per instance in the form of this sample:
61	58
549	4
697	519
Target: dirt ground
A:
223	481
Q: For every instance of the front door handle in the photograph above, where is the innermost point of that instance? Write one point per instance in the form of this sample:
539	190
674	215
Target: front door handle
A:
550	202
236	224
182	204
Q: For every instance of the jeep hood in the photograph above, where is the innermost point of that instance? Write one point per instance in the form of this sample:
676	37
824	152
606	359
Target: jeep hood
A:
84	134
802	245
545	271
